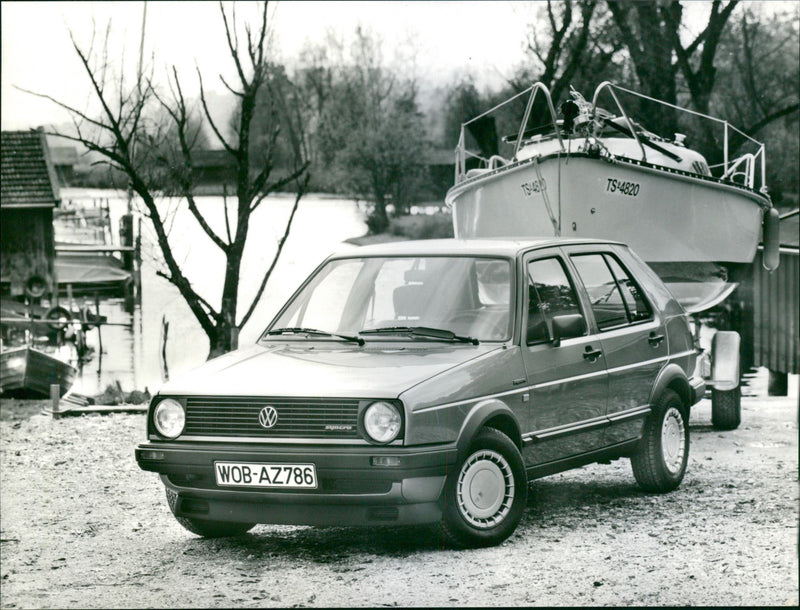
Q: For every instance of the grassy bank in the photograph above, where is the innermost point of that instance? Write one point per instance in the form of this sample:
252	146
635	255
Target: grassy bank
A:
417	226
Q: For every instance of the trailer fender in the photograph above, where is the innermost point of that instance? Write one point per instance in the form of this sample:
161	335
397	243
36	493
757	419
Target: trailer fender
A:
772	239
725	360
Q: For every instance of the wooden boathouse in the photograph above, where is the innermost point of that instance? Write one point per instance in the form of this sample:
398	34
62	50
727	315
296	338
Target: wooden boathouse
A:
28	195
765	309
776	309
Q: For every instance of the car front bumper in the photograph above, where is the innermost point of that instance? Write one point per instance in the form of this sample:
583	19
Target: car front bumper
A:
351	489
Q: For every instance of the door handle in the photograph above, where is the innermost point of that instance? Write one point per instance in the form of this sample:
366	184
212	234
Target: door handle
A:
655	339
592	355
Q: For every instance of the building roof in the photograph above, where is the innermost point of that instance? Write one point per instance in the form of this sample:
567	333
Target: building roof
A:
212	158
27	178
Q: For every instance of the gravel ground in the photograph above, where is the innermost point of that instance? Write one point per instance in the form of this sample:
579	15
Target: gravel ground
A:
83	527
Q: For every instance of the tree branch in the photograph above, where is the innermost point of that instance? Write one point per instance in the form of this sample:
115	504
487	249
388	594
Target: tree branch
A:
225	211
210	310
773	116
280	184
98	89
67	107
229	88
233	47
211	122
300	192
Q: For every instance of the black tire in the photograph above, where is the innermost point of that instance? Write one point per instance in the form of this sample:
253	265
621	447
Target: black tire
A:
206	528
214	529
660	460
60	317
493	466
726	408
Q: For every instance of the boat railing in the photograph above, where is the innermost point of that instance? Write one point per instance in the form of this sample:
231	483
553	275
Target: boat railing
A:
728	167
746	175
462	153
741	169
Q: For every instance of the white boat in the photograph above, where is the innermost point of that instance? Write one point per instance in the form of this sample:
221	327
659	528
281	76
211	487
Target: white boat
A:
598	174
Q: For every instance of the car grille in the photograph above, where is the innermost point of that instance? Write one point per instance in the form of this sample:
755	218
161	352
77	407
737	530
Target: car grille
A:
297	417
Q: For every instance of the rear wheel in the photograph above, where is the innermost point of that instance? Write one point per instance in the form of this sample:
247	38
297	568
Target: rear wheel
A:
207	528
660	460
486	495
726	408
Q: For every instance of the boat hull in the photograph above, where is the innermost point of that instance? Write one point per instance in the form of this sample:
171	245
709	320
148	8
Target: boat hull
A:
27	372
665	216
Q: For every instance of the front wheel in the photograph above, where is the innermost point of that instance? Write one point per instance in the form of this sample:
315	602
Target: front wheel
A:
214	529
206	528
486	495
660	460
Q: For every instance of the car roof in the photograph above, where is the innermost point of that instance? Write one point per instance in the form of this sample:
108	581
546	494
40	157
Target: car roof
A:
459	247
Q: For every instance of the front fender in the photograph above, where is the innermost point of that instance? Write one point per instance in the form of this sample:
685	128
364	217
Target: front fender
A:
496	414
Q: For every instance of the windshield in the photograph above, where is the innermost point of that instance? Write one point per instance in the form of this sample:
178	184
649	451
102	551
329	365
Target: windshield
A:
468	296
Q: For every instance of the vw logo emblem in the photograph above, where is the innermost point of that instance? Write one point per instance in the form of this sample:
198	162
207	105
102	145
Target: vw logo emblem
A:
268	417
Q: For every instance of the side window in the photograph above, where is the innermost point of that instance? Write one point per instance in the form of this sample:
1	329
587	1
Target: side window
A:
638	308
604	294
550	293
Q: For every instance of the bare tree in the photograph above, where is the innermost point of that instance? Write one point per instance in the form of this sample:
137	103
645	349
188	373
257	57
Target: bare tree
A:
129	139
370	132
571	42
651	31
758	89
763	83
700	73
648	37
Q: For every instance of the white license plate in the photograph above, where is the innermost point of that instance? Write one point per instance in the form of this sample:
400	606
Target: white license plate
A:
286	476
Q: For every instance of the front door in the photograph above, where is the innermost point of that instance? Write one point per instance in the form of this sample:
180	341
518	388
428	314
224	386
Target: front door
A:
567	383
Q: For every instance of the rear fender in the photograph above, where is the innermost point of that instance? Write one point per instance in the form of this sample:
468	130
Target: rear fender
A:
673	377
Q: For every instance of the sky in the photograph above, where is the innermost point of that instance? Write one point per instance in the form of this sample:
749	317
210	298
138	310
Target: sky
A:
450	38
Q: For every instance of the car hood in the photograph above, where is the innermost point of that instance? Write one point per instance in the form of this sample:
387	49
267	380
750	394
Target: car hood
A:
319	369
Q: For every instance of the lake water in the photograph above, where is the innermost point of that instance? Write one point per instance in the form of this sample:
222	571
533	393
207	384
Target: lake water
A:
131	356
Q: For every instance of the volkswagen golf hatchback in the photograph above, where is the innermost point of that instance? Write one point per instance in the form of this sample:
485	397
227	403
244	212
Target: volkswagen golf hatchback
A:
429	382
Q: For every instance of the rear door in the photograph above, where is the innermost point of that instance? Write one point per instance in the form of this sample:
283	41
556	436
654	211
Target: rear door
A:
568	383
631	333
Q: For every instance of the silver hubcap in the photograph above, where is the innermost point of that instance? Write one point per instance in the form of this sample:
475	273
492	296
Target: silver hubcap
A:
485	489
673	440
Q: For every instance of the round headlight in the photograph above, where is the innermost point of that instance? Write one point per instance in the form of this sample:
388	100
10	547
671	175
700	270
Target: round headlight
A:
382	422
169	418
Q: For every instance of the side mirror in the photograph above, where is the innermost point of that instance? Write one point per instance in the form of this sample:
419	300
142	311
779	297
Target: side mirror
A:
568	327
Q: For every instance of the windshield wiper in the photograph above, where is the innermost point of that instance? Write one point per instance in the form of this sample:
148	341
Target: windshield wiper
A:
421	331
299	330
